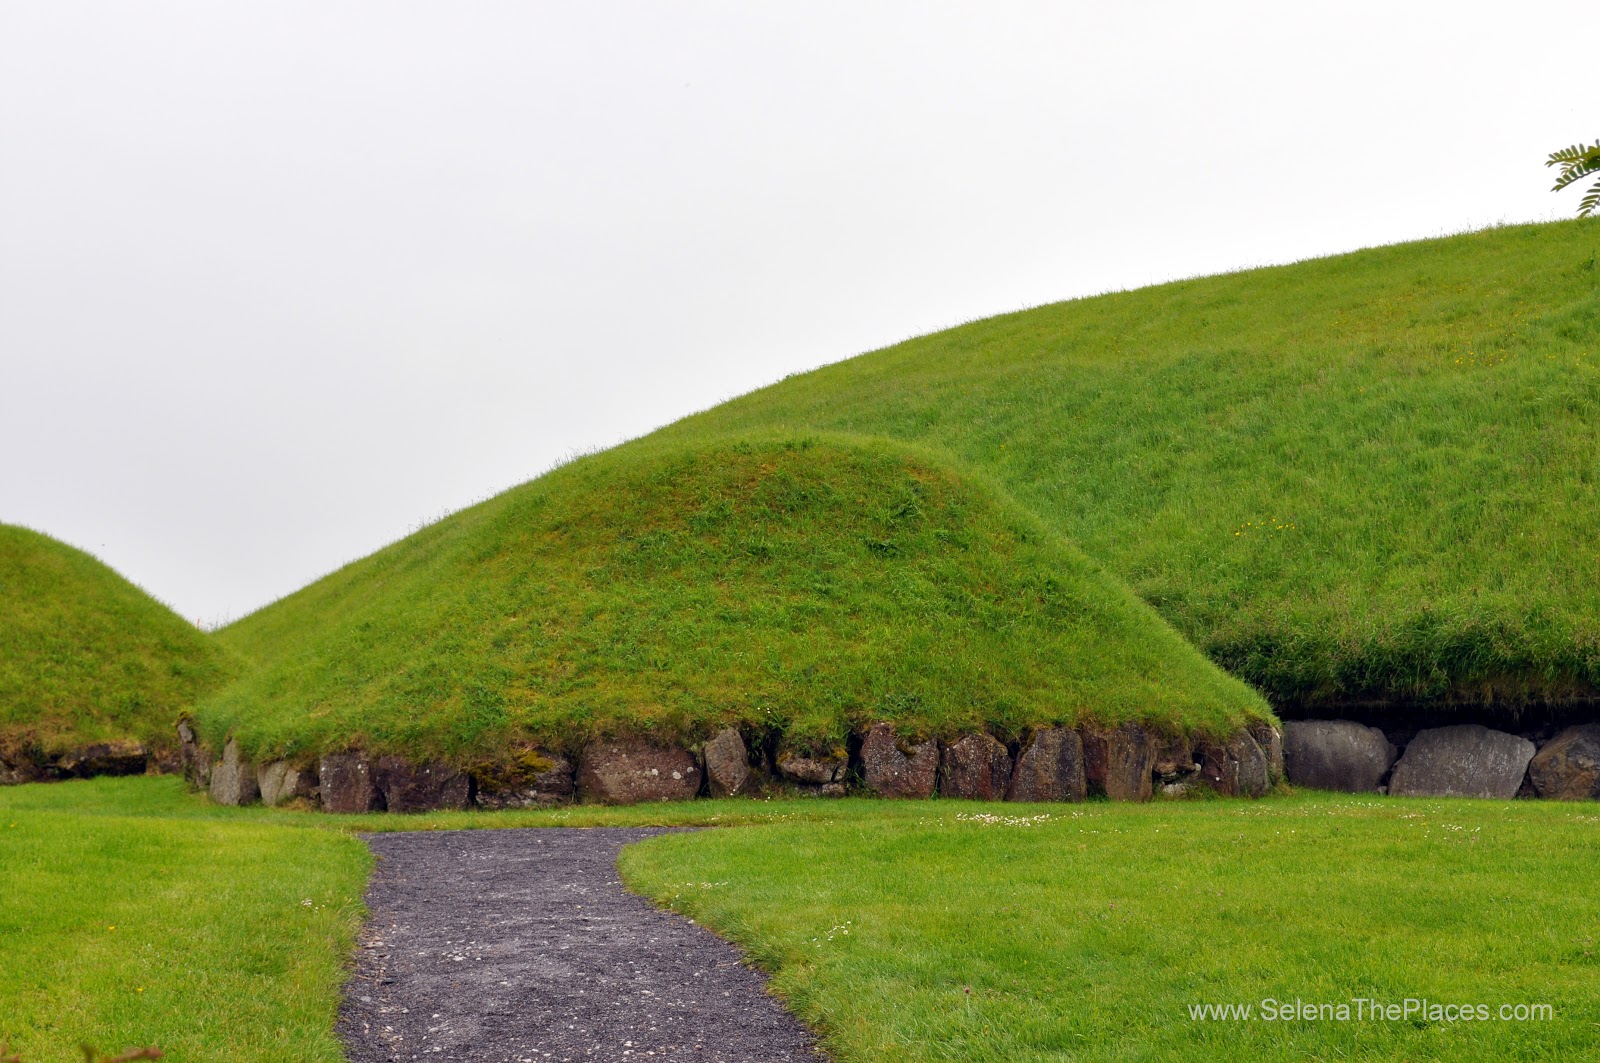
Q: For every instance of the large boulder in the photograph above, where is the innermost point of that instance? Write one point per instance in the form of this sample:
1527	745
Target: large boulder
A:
282	781
1568	767
629	771
1235	766
1270	739
890	768
727	764
104	758
536	779
817	772
427	787
345	783
976	767
1119	762
1049	768
1467	760
233	779
1336	755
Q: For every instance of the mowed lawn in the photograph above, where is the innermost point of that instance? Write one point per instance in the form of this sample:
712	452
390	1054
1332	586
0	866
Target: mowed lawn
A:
132	913
947	931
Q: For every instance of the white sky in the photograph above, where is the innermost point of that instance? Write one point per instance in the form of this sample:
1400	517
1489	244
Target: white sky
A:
281	281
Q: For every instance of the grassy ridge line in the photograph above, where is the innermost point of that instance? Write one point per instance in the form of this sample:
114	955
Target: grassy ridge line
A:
808	584
1373	475
86	656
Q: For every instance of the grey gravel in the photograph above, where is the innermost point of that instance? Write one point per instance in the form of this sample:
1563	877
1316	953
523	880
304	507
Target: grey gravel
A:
520	946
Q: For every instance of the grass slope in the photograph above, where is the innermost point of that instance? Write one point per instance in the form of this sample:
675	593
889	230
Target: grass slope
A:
803	584
1369	476
85	656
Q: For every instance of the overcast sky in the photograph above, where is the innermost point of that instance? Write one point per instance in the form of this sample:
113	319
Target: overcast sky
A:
281	281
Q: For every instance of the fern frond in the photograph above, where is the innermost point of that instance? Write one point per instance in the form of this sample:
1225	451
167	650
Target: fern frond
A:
1576	172
1577	162
1573	154
1587	205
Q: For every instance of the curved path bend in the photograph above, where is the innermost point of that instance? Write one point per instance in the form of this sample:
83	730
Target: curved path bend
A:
521	946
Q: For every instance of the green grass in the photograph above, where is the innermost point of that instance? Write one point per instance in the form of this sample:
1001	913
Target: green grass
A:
85	656
808	585
1084	934
1368	476
132	914
1364	478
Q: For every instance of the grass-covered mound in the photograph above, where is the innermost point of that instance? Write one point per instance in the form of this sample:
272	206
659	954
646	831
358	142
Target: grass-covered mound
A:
85	656
1366	477
807	586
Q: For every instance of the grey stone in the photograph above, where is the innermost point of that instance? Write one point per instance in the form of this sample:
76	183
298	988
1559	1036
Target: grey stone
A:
1235	766
1049	768
196	758
104	758
1270	739
976	767
1567	768
345	784
1467	760
816	769
727	764
890	768
628	771
1336	755
233	779
428	787
281	782
537	780
1119	762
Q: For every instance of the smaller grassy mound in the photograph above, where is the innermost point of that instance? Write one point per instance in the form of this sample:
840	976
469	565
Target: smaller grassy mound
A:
803	585
85	656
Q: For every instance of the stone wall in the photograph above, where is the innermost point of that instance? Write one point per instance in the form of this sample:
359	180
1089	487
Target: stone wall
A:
1126	763
1456	760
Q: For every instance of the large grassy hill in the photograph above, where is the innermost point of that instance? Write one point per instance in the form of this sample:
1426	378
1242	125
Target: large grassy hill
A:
1363	478
800	584
85	656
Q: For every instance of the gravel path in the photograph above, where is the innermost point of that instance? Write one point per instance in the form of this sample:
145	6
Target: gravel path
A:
506	946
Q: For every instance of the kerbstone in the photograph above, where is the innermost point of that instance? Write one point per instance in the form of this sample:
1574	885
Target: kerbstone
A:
627	772
976	767
727	764
890	768
1049	768
1568	767
1467	760
1336	755
346	785
233	779
1120	762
